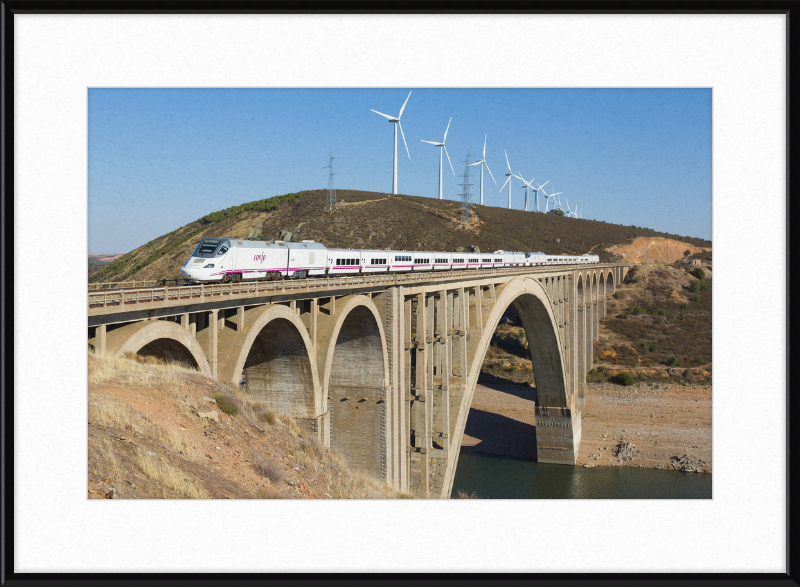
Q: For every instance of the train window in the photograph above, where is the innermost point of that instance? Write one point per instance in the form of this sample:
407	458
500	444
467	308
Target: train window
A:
207	247
222	251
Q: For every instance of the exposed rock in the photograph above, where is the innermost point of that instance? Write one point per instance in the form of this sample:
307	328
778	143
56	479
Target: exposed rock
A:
688	463
210	415
625	452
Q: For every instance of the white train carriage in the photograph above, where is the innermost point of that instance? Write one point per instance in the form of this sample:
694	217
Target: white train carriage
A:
458	260
487	261
306	258
344	261
422	261
512	259
473	260
535	259
224	259
442	261
375	261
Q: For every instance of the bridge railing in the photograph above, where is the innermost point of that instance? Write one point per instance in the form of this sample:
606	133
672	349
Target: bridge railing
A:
132	292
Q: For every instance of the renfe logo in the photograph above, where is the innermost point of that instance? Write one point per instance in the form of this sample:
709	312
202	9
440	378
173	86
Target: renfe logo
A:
260	258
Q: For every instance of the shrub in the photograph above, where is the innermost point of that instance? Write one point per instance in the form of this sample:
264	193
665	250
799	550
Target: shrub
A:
596	360
699	273
661	312
270	418
624	378
228	403
636	311
687	253
653	347
672	361
696	285
684	306
696	298
271	470
624	316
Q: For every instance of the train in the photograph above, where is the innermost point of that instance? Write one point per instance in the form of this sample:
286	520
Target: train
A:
232	260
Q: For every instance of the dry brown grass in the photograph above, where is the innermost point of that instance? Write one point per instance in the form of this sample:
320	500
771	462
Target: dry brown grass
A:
179	481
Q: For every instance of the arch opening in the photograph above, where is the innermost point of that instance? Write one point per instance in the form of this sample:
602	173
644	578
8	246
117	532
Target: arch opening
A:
277	370
168	350
356	396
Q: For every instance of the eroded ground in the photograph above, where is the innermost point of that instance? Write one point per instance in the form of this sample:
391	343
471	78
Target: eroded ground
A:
662	421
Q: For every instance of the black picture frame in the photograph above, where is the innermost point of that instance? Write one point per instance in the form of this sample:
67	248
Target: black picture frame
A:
8	575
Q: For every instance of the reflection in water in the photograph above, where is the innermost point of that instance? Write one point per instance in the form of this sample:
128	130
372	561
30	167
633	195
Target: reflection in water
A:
506	478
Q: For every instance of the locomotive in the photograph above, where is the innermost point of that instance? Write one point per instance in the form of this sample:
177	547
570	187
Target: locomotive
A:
232	260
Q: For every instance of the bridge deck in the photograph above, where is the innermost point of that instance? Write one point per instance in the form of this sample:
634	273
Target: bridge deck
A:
103	302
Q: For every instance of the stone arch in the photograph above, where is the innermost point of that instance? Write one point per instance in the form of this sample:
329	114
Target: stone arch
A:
355	375
277	360
160	338
610	284
541	330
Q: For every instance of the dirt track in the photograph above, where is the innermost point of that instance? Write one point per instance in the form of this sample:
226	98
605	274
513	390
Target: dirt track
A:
662	422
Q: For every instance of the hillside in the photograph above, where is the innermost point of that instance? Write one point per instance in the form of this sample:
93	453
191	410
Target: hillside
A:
657	327
166	431
379	220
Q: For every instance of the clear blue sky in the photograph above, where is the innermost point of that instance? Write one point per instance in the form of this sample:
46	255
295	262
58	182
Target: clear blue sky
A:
161	158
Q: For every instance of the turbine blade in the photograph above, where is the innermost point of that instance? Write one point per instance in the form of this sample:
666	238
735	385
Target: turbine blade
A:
476	163
544	184
490	172
504	185
382	114
430	142
507	163
484	147
448	159
403	108
445	130
403	134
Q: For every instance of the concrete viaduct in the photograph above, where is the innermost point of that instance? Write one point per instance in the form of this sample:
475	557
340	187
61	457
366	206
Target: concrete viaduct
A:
380	367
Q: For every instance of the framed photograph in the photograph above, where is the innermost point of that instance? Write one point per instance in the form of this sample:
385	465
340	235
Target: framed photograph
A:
712	90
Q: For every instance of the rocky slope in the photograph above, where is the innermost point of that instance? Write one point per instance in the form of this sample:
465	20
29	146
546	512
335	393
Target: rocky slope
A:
165	431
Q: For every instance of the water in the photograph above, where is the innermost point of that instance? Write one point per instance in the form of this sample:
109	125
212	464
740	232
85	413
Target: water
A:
499	477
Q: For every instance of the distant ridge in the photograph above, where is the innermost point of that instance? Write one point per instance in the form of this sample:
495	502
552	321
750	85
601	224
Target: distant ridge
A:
376	220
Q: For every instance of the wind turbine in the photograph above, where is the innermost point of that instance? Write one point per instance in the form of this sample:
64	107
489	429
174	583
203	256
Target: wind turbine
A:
442	147
571	213
536	193
525	187
396	122
509	175
553	195
483	161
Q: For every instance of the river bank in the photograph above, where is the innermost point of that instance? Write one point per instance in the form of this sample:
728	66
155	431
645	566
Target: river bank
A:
657	424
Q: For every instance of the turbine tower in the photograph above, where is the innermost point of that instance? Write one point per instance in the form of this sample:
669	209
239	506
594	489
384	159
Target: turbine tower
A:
483	164
441	148
536	193
396	122
509	175
525	187
553	195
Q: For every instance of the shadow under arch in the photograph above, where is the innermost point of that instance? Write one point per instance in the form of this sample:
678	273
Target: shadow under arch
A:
277	361
555	402
164	340
355	375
